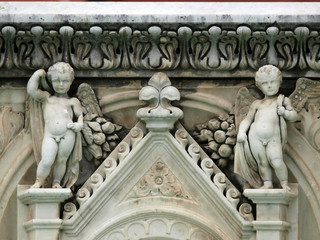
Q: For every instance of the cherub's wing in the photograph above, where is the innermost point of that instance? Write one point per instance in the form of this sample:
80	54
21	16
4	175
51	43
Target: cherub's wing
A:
244	163
88	100
243	102
99	135
305	89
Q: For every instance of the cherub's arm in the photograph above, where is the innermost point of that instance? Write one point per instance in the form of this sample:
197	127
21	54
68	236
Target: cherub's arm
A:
77	110
287	111
33	86
246	122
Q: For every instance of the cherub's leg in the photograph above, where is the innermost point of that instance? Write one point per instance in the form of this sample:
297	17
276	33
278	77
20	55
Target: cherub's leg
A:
48	155
258	150
274	151
66	145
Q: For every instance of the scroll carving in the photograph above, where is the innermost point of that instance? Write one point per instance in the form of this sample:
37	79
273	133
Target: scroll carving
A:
206	133
108	165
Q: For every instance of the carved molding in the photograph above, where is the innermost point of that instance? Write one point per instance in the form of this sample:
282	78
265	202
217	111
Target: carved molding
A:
167	225
214	51
103	172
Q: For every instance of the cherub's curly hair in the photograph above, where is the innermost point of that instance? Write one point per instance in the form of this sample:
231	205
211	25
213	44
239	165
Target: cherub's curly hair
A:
270	70
60	67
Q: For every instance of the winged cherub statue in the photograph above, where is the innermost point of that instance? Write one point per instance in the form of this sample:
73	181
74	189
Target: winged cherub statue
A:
262	133
62	123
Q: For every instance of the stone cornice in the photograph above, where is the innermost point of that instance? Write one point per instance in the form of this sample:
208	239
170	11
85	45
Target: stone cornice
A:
181	39
161	12
45	195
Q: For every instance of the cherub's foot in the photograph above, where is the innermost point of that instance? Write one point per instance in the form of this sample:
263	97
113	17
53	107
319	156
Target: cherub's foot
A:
56	185
37	184
285	186
267	185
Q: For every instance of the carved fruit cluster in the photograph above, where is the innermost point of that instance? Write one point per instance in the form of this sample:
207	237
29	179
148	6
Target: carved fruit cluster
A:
218	138
99	137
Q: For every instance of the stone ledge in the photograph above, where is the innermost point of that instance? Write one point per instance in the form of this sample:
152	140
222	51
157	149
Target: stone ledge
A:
271	225
44	195
153	12
270	196
36	224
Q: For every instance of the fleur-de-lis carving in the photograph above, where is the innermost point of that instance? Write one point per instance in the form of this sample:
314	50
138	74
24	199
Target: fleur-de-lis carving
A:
160	114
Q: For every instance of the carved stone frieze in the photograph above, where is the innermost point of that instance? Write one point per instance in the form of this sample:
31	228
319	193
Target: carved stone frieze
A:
213	51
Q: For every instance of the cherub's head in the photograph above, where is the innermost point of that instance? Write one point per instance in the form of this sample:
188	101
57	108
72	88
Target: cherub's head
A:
268	79
61	75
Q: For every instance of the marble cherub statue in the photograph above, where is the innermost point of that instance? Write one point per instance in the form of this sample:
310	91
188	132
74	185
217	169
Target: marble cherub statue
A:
63	121
262	133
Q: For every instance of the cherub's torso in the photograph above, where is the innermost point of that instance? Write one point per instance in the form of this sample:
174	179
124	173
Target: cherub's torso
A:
266	120
57	113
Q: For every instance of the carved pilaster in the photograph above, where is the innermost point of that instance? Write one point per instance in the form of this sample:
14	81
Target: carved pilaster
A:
40	211
274	209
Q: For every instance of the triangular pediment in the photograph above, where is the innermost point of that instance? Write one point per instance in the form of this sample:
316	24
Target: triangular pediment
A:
158	174
157	178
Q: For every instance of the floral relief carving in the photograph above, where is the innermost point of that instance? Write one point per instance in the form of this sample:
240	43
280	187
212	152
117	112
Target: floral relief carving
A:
156	48
158	181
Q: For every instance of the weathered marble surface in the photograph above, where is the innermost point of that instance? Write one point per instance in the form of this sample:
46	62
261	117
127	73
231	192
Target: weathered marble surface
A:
124	36
208	75
277	211
148	12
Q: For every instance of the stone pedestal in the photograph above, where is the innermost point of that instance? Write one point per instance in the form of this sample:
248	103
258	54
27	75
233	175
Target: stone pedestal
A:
41	212
272	212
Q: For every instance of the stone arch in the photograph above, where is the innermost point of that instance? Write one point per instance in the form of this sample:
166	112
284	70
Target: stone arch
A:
154	225
18	153
15	162
302	162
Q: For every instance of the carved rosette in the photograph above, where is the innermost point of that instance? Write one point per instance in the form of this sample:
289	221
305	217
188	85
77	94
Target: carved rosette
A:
159	181
160	115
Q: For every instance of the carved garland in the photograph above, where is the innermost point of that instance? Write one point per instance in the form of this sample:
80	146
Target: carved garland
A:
156	49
